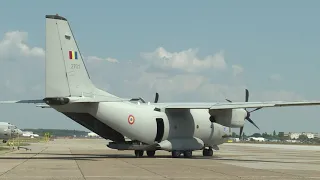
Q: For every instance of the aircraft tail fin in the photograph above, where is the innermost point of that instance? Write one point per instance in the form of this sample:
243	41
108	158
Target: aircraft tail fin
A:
66	73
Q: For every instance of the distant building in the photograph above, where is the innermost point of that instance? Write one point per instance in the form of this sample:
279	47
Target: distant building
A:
29	134
292	141
295	135
92	134
260	139
233	140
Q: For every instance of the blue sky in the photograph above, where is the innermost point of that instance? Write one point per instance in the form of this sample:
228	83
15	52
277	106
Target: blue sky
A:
215	49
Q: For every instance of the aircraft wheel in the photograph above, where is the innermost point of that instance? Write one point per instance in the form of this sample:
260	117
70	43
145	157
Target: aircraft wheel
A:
207	152
187	154
4	141
175	154
151	153
138	153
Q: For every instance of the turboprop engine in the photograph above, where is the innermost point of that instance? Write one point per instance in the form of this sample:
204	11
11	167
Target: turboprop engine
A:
247	117
233	118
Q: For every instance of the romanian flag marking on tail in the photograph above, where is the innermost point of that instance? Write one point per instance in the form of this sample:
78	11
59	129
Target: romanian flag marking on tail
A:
73	55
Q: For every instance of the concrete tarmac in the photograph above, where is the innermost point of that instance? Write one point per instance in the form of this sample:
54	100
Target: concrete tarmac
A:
92	160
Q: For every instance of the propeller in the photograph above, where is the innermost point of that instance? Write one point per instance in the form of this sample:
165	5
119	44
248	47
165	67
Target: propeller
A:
156	98
248	112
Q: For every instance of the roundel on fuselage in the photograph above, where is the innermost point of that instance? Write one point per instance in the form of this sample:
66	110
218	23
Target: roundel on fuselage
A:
131	119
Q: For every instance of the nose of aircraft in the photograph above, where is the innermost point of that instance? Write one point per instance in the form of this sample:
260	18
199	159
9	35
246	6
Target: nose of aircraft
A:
20	132
16	132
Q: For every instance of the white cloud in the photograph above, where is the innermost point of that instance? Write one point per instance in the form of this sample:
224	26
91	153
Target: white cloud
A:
277	95
186	60
237	69
13	45
26	76
276	77
97	59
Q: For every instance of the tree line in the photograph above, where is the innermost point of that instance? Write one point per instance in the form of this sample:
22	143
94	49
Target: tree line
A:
273	136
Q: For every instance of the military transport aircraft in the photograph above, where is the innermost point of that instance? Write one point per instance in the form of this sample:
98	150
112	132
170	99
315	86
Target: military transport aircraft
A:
8	131
179	128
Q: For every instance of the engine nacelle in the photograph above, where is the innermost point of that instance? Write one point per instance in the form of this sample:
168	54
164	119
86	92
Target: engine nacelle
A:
231	117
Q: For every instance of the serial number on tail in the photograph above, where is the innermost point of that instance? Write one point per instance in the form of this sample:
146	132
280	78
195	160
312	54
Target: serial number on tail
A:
75	66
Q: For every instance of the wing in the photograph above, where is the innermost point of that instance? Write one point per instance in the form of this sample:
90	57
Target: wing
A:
233	105
38	102
211	106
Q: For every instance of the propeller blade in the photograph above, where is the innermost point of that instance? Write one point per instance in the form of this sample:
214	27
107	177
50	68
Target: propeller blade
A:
241	130
228	100
142	100
247	95
156	98
255	109
250	120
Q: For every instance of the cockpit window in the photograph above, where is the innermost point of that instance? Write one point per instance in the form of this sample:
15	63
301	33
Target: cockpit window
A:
12	127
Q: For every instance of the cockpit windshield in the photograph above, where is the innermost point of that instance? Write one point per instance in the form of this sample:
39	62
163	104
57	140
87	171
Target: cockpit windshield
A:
12	127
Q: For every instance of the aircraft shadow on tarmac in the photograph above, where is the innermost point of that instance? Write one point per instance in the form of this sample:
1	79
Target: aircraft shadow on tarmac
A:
96	157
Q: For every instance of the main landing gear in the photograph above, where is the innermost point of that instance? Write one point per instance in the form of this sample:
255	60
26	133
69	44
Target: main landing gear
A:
139	153
188	154
177	153
207	152
174	153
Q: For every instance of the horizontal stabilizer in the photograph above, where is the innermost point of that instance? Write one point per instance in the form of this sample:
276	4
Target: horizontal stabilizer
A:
38	102
23	101
46	102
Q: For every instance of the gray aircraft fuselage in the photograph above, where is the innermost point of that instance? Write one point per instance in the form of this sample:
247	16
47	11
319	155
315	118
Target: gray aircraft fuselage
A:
141	122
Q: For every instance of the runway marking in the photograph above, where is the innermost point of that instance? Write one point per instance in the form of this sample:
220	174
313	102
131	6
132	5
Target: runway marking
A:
153	177
145	169
6	152
77	164
211	170
23	162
